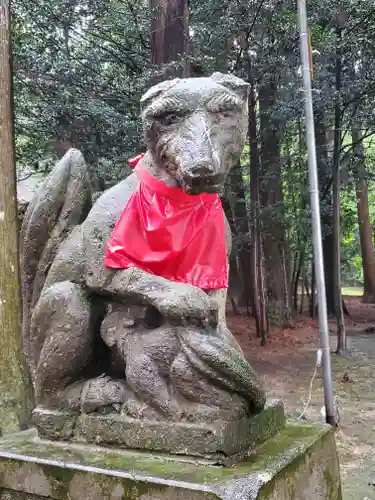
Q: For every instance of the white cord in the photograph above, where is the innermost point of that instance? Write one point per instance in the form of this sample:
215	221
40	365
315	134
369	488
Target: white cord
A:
318	363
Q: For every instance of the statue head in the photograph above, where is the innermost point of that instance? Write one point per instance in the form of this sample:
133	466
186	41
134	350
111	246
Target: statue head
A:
195	128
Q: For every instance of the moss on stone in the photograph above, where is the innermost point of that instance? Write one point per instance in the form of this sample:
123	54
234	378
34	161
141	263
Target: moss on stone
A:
142	475
306	461
61	478
293	439
331	485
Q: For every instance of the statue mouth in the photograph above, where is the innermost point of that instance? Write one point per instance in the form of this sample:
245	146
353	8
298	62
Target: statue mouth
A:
197	190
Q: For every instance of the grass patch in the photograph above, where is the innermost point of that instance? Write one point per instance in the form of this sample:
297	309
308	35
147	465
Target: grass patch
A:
352	291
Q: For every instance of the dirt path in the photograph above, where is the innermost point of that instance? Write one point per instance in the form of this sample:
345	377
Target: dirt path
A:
287	364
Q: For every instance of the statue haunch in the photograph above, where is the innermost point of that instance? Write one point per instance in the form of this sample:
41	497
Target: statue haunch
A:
101	340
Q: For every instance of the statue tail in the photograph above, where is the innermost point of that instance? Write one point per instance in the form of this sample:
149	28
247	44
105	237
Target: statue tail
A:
62	202
224	365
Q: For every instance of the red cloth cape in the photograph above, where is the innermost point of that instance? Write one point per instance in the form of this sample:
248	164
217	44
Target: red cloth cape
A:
169	233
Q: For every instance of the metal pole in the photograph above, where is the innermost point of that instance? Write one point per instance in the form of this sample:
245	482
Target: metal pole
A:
315	215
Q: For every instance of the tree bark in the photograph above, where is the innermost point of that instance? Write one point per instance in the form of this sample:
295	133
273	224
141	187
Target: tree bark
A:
16	400
336	223
324	175
256	266
364	224
235	286
241	231
272	202
169	33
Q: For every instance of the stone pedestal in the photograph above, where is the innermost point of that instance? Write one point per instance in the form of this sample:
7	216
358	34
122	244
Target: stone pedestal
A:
221	442
298	463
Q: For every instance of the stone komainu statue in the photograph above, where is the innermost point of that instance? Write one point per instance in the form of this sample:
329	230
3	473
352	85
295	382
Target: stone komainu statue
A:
90	335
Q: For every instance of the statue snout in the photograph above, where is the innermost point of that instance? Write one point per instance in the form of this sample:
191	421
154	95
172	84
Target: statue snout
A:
202	169
202	177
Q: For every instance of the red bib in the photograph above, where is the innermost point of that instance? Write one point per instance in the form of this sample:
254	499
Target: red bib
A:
171	234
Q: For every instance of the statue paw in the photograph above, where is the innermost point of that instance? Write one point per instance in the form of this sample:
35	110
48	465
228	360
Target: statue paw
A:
98	394
188	304
103	392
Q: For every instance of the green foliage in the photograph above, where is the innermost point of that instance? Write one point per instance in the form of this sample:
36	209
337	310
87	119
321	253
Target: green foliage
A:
80	69
351	261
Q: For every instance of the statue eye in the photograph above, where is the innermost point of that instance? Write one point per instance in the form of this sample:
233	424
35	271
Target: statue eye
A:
222	113
169	119
226	112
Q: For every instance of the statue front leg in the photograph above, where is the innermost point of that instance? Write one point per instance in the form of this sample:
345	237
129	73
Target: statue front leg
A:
63	341
177	302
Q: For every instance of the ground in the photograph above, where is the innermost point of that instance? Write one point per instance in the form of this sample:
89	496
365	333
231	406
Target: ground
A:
287	365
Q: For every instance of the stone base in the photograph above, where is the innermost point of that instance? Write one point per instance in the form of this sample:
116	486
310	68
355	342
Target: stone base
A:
298	463
223	442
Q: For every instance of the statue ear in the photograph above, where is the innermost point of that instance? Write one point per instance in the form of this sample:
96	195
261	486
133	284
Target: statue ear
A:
239	86
158	89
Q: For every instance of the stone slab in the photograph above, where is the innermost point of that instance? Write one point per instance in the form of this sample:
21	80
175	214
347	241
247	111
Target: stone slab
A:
220	441
298	463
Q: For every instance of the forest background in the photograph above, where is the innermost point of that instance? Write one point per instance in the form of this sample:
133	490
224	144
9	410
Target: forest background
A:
81	66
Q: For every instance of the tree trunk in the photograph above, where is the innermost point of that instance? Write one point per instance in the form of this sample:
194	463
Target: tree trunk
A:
15	392
235	286
241	231
313	305
256	266
297	283
325	190
169	33
298	275
338	304
364	224
271	197
336	223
